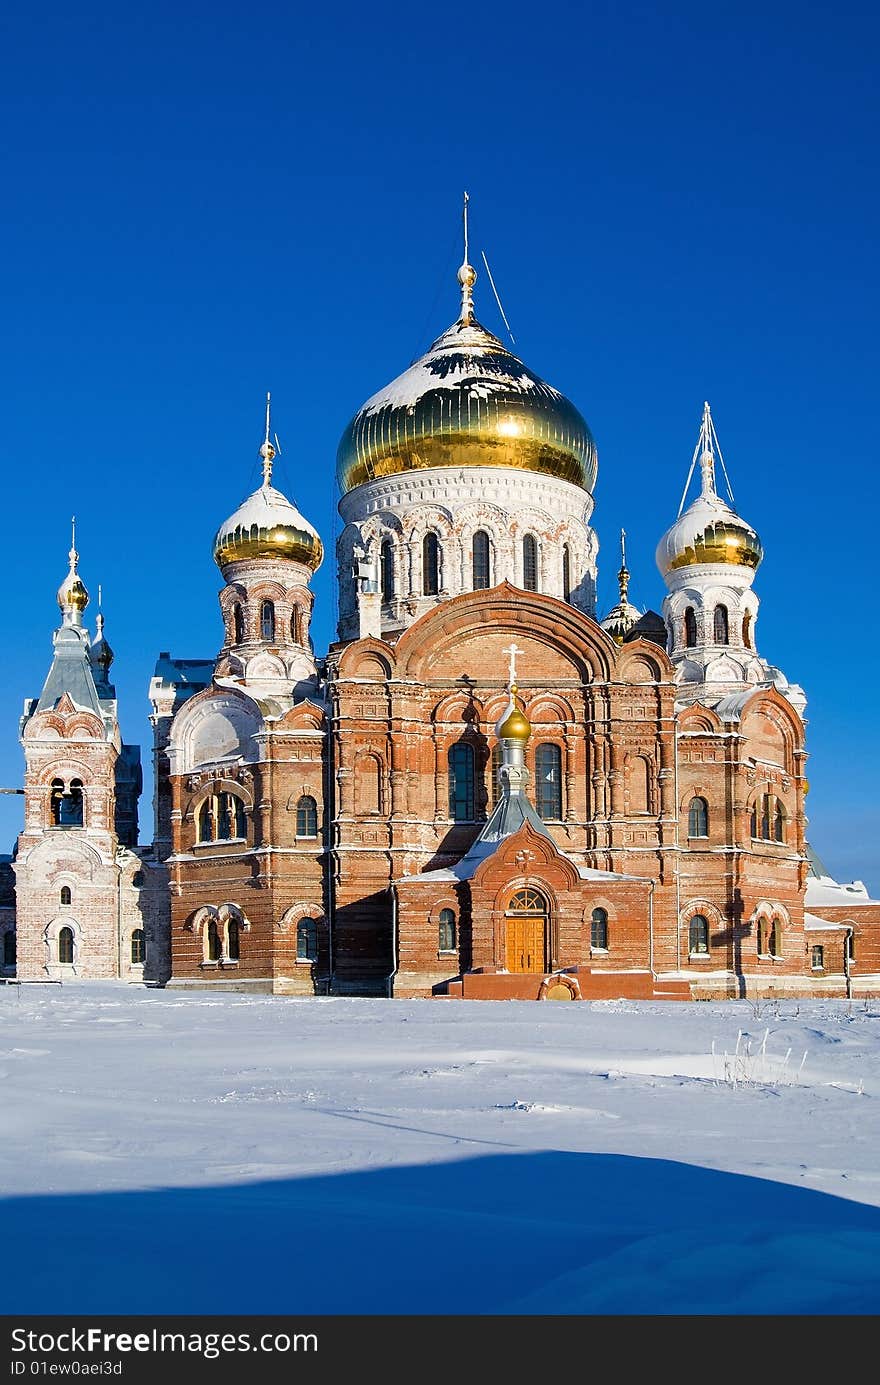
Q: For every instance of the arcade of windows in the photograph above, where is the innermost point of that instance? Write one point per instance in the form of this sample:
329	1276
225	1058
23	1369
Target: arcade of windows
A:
221	818
222	936
461	761
481	565
768	819
720	627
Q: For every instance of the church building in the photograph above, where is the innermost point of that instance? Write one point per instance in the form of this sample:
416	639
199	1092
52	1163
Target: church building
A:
481	790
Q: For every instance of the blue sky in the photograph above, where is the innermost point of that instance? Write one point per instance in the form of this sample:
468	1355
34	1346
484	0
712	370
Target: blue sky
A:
205	202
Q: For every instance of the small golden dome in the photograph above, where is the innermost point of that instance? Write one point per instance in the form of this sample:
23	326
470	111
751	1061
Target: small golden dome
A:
267	525
513	724
467	402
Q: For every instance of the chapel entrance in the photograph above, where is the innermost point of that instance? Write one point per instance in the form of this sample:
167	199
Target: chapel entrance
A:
526	931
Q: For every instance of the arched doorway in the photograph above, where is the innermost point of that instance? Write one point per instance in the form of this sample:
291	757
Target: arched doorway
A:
526	919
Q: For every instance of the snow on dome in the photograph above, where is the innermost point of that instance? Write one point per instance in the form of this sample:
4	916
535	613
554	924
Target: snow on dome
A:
268	525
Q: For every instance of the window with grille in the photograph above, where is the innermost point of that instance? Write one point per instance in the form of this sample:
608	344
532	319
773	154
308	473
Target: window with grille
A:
699	934
698	818
267	620
65	894
599	930
386	564
548	781
530	563
307	817
461	783
138	947
65	946
495	775
447	930
566	573
722	630
480	560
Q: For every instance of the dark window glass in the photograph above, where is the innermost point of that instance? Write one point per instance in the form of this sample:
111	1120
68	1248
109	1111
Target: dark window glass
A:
548	781
137	879
65	894
447	930
851	946
480	550
386	556
566	574
430	565
818	958
65	945
9	948
138	946
747	629
213	941
599	930
765	818
232	940
307	817
204	831
779	823
461	783
307	940
722	632
530	563
699	934
754	820
698	818
775	939
240	818
690	627
56	800
70	805
237	624
267	620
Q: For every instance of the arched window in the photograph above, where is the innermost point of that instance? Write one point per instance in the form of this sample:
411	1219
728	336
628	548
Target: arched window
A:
765	817
779	823
237	624
599	930
548	781
307	940
267	620
9	948
65	946
307	817
495	774
430	565
698	818
566	573
530	562
690	628
446	939
233	946
294	626
775	939
526	928
203	821
138	947
65	894
699	935
747	629
386	564
480	560
721	625
56	799
212	950
461	782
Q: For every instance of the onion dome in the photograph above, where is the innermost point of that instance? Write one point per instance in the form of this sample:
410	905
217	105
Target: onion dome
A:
709	530
267	525
72	595
622	617
467	402
100	653
513	724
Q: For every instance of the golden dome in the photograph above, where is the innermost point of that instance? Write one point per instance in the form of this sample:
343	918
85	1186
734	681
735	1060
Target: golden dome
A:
709	530
467	402
72	594
267	525
513	724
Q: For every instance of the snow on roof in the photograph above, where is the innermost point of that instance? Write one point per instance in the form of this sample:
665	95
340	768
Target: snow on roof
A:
823	890
812	924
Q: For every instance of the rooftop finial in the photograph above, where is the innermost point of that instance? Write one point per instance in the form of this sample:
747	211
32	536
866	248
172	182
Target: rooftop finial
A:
623	574
467	275
707	455
267	451
512	650
73	555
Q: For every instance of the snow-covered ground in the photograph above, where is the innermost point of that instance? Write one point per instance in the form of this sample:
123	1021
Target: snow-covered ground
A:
167	1152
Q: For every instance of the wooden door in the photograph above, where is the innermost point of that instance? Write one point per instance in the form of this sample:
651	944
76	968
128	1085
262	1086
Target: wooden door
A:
525	944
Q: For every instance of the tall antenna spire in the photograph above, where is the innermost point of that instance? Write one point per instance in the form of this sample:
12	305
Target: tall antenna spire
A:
267	451
467	275
623	574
